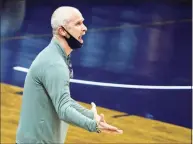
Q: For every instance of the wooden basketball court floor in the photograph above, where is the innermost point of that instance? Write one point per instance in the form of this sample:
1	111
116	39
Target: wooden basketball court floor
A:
136	129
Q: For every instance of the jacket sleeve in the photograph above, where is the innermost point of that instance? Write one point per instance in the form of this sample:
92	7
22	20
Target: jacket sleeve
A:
56	82
88	113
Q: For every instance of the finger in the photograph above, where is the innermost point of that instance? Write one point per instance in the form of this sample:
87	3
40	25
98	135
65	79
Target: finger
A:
93	107
93	104
107	126
102	118
112	132
109	130
119	131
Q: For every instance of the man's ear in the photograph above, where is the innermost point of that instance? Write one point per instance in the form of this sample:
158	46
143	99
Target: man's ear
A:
61	31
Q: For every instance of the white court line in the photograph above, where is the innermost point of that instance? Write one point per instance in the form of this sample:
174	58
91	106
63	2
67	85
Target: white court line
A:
22	69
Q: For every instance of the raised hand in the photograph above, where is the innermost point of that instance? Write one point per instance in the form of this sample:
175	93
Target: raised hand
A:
96	116
102	125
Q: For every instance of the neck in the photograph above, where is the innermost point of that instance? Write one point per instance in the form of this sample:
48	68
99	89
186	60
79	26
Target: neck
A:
63	44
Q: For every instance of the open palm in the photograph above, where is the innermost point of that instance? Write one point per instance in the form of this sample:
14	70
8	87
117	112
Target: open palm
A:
103	126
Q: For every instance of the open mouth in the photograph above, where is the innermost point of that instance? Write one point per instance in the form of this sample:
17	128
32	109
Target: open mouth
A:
80	39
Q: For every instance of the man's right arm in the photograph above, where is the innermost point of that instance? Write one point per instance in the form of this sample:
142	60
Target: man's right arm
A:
55	81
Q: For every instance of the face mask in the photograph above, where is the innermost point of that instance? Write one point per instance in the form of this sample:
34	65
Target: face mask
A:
72	42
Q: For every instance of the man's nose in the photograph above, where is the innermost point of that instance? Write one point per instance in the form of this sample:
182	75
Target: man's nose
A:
84	28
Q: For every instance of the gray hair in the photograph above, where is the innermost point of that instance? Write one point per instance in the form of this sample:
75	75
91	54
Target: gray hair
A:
61	16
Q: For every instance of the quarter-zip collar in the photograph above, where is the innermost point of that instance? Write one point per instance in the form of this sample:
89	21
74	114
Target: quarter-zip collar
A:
60	49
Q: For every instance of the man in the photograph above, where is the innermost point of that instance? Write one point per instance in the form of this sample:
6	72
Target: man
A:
47	107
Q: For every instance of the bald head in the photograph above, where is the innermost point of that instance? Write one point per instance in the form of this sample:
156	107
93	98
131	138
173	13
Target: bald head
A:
63	15
68	25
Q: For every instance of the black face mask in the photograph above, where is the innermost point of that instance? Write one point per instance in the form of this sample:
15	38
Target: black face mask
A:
72	42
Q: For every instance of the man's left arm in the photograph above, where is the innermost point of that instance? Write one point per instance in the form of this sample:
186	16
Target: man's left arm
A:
86	112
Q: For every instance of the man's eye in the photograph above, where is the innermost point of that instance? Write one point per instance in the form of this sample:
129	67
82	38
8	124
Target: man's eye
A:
79	23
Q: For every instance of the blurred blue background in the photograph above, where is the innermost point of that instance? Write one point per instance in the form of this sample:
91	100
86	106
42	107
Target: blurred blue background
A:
133	42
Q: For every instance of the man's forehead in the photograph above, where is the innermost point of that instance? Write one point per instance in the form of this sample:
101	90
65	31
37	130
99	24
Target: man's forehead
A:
79	20
77	17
